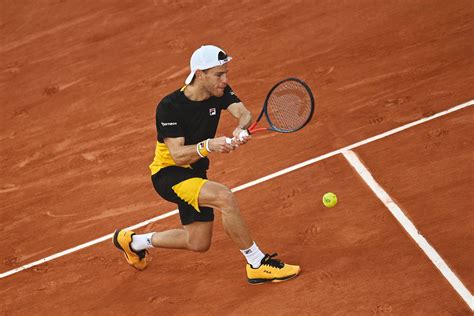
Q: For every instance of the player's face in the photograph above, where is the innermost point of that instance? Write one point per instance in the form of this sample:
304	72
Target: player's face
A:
216	80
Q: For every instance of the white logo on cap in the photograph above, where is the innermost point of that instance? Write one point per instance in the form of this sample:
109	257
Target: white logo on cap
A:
225	60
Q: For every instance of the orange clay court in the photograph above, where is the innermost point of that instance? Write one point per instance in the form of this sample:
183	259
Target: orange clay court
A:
79	83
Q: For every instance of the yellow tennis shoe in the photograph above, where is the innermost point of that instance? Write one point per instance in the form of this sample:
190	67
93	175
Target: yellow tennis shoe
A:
123	241
271	270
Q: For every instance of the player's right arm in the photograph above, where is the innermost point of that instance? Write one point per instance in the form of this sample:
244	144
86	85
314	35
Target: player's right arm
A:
171	133
187	154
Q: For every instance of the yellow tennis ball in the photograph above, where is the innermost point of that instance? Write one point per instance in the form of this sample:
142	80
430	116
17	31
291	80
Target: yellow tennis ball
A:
329	199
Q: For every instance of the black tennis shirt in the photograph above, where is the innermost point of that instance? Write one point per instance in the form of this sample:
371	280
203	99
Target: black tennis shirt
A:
177	116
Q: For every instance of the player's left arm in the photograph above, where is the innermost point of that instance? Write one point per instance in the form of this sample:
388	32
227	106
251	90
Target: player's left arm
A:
244	117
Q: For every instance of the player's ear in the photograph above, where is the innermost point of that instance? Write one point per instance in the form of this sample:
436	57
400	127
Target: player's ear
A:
199	74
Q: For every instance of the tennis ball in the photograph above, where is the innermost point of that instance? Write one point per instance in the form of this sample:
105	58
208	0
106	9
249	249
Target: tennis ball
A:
329	199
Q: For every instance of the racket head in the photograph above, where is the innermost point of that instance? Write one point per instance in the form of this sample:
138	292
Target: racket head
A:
289	105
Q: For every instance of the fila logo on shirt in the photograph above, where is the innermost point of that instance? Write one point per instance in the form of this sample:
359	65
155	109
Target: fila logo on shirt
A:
212	111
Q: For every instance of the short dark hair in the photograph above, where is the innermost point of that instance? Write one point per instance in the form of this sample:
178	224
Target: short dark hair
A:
194	77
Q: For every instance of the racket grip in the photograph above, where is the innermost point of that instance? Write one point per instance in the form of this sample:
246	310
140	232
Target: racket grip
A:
228	140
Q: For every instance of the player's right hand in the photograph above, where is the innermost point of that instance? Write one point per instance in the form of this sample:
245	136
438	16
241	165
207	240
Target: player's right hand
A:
220	145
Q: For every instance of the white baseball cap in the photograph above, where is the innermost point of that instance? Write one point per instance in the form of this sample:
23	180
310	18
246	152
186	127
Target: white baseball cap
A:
206	57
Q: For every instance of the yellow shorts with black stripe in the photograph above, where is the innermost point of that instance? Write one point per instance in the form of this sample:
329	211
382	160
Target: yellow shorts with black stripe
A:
182	186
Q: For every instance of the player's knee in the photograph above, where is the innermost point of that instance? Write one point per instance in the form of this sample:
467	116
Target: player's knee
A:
226	198
202	246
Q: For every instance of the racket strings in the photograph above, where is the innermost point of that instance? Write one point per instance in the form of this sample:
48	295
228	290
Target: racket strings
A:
289	107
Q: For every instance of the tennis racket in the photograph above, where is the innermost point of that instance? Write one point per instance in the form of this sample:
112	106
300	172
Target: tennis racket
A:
289	106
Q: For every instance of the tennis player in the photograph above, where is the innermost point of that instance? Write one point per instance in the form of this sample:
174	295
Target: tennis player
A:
186	122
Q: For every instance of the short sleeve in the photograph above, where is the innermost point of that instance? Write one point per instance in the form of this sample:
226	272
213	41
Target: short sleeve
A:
168	122
229	97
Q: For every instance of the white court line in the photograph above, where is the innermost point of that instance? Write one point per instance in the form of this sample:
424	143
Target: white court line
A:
85	245
410	228
248	185
355	145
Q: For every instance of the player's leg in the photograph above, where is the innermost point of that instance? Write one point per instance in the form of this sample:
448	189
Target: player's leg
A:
261	268
218	196
173	239
196	236
199	236
180	186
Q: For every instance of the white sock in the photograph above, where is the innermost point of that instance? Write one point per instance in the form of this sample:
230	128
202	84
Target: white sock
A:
140	242
253	255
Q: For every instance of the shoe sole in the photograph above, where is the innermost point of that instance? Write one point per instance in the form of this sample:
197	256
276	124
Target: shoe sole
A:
276	280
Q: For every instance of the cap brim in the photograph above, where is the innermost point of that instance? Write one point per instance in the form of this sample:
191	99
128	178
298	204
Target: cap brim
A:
219	63
190	77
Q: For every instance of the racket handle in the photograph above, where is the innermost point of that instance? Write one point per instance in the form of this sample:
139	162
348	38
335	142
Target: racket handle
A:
228	140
